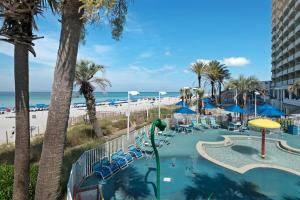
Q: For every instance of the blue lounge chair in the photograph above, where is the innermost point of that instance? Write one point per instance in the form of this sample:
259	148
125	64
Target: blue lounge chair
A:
140	144
127	156
204	123
213	123
121	161
147	141
135	152
103	171
196	125
114	167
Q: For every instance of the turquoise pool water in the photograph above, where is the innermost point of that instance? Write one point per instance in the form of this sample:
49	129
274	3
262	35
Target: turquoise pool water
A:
187	175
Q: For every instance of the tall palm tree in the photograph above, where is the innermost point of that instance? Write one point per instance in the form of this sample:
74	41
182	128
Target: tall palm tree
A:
199	68
224	74
84	78
244	86
213	74
199	93
17	28
74	14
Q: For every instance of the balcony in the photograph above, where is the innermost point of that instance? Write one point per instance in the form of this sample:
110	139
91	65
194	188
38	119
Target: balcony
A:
297	55
292	102
297	67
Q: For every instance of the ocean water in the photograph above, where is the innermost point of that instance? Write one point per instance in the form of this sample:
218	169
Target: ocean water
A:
7	99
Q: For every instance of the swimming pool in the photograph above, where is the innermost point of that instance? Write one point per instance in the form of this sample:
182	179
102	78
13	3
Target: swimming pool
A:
185	174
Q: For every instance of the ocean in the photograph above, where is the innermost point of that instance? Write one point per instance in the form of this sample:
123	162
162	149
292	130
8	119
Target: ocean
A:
7	99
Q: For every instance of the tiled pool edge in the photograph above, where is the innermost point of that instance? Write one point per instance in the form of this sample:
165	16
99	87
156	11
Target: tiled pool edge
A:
202	151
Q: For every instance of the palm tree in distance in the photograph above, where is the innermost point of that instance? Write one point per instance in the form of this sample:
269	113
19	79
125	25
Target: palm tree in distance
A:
84	78
294	88
223	75
199	68
18	22
244	86
213	75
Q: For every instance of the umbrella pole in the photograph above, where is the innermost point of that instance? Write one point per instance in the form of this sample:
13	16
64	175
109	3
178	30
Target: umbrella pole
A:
263	141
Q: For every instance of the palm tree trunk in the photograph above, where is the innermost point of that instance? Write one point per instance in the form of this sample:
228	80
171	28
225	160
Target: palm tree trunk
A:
198	101
58	115
22	143
220	92
212	89
91	108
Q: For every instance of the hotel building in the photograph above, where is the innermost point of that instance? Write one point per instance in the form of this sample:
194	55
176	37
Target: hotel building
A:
285	53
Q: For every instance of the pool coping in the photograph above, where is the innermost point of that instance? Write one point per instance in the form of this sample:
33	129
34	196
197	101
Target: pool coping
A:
281	144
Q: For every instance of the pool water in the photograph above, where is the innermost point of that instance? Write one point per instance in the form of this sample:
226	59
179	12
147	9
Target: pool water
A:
187	175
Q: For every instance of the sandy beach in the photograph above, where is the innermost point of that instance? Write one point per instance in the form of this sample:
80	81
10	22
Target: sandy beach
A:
38	119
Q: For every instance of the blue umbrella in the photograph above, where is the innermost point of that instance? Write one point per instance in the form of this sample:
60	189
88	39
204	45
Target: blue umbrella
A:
265	106
273	112
209	106
41	105
181	103
185	110
235	109
206	100
2	108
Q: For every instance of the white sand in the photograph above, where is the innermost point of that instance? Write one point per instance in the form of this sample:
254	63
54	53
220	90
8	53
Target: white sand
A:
38	123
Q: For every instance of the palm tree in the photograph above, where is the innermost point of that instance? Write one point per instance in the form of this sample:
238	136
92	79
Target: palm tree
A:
74	14
213	74
84	77
199	93
294	88
244	86
199	68
224	74
17	28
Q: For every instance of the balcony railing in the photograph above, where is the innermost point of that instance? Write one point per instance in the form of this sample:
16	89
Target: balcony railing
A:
292	102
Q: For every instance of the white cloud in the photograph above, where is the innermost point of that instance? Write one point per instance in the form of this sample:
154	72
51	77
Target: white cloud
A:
146	55
236	61
230	62
151	71
168	53
100	49
186	71
45	48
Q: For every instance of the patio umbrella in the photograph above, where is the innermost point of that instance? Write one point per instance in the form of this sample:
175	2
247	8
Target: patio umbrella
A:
185	110
263	124
181	103
206	100
265	106
272	112
235	109
209	106
41	106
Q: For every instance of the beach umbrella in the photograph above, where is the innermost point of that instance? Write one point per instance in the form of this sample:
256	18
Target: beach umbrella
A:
206	100
265	106
263	124
235	109
41	105
209	106
272	112
185	110
181	103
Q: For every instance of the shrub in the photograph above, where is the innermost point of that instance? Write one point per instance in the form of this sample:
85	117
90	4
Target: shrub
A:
7	179
120	124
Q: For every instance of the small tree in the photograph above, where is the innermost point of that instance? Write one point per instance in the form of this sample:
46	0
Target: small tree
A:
84	78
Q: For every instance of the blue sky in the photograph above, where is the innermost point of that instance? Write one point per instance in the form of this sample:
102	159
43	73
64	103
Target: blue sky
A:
160	41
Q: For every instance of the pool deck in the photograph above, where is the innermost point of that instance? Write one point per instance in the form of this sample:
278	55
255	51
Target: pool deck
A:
200	146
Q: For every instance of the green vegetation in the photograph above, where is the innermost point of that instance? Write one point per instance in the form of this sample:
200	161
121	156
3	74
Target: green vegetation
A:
80	137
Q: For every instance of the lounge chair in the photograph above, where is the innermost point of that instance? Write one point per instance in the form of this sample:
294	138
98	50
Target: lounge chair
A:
204	123
103	171
121	161
127	156
166	133
189	128
196	125
213	123
147	141
114	167
140	144
135	152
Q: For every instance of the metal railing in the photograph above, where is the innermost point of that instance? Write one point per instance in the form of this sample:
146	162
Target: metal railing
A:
82	168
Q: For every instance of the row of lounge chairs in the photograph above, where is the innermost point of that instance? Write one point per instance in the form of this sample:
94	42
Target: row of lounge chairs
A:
205	122
119	160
